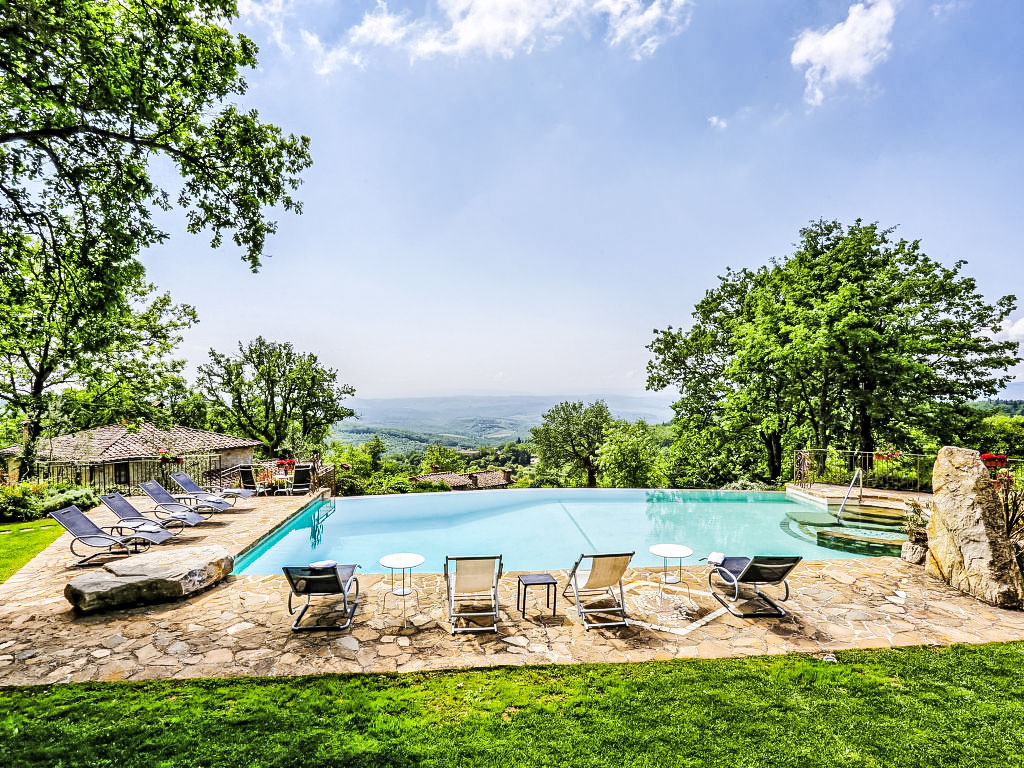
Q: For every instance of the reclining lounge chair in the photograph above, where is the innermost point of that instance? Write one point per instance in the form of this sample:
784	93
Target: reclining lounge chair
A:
757	571
322	578
300	483
129	516
209	492
110	540
472	579
605	573
247	477
185	503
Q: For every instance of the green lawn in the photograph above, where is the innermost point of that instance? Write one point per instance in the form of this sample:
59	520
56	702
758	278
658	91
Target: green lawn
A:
17	546
959	706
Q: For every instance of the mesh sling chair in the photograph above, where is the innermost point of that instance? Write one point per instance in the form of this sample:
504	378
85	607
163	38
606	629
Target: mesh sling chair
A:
605	573
110	540
127	513
756	572
301	482
473	579
163	499
209	492
247	478
325	578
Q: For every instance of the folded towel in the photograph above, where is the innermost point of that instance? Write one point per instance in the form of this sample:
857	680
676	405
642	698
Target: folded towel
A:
716	558
324	564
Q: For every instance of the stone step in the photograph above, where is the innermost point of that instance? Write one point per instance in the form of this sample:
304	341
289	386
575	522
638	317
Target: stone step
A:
858	542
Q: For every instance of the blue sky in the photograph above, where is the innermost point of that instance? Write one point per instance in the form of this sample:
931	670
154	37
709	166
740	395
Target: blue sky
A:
509	195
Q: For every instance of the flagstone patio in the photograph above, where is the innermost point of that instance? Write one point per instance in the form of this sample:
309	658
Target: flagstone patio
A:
241	627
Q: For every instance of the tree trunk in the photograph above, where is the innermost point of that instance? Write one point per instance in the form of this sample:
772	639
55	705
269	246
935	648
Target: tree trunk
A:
773	447
864	436
29	449
591	475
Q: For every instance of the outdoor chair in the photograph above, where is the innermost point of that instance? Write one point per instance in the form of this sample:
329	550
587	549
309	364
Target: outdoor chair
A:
110	540
247	478
209	492
185	503
127	513
301	481
605	573
322	578
472	579
756	572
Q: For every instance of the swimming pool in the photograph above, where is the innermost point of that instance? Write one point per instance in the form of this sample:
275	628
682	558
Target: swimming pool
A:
536	529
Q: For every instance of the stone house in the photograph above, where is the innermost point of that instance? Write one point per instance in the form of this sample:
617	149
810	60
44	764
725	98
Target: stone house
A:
122	456
468	481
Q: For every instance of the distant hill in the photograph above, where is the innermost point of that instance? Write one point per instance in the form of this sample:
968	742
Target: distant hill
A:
1006	407
473	420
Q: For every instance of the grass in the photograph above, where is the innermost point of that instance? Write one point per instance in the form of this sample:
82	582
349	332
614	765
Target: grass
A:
18	546
956	706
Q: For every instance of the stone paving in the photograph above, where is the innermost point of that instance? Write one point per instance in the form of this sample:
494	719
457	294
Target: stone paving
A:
242	626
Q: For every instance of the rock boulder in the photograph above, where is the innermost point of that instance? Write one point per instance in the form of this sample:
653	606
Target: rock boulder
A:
967	542
153	577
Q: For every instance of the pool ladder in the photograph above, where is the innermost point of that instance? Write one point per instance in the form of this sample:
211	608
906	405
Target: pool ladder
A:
849	490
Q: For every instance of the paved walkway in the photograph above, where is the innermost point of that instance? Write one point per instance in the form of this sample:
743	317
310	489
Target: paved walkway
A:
242	627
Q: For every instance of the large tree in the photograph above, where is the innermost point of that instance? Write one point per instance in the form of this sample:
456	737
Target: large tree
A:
570	435
271	392
73	327
93	92
856	337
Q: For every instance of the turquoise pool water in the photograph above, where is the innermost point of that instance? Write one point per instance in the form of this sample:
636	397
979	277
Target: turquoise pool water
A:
535	529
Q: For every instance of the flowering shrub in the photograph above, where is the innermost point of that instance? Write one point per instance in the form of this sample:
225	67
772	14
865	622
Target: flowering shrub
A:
887	455
995	460
167	457
286	464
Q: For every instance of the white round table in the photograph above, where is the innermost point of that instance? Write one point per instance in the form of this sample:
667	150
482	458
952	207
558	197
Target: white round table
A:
671	552
401	561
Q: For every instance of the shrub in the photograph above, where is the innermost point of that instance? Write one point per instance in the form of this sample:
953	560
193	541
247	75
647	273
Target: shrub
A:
31	500
425	486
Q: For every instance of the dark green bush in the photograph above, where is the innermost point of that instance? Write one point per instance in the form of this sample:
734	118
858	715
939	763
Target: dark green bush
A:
31	500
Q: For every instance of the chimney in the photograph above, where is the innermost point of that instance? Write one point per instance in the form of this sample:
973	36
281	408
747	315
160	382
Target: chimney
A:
435	467
508	476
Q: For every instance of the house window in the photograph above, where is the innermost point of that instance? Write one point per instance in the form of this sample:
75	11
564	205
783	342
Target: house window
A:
121	474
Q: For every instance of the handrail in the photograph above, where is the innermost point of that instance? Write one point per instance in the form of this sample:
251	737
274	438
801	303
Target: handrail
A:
849	490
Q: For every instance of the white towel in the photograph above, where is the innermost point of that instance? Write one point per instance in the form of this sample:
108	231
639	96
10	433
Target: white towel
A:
716	558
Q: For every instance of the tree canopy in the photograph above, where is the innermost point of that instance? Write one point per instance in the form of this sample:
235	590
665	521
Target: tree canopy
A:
93	92
570	435
270	392
630	457
440	458
854	339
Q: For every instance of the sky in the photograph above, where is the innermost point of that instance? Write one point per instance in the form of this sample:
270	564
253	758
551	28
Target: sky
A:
508	196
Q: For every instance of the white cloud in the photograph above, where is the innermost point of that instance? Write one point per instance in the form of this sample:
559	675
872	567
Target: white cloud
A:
947	8
1014	331
504	28
328	60
271	14
847	52
718	123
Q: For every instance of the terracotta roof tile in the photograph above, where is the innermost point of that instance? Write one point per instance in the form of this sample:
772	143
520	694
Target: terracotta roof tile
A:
116	442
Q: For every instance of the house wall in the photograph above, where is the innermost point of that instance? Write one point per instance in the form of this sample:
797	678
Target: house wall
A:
231	457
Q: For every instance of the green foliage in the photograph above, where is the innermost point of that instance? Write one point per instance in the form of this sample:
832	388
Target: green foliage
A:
95	91
1001	434
29	500
440	458
375	449
512	454
425	486
569	437
1005	407
853	340
386	482
630	457
943	707
272	393
398	441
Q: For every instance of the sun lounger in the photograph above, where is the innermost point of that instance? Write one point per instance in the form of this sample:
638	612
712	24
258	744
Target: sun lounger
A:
126	512
605	573
323	578
209	492
162	497
472	579
110	541
755	572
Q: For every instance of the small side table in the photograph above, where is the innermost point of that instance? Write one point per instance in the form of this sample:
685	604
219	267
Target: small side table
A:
672	552
527	580
401	561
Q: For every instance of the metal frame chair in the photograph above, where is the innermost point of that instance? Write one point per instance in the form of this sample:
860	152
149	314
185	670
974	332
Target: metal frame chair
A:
300	483
129	515
606	571
208	493
87	533
183	503
756	571
328	580
247	477
476	577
